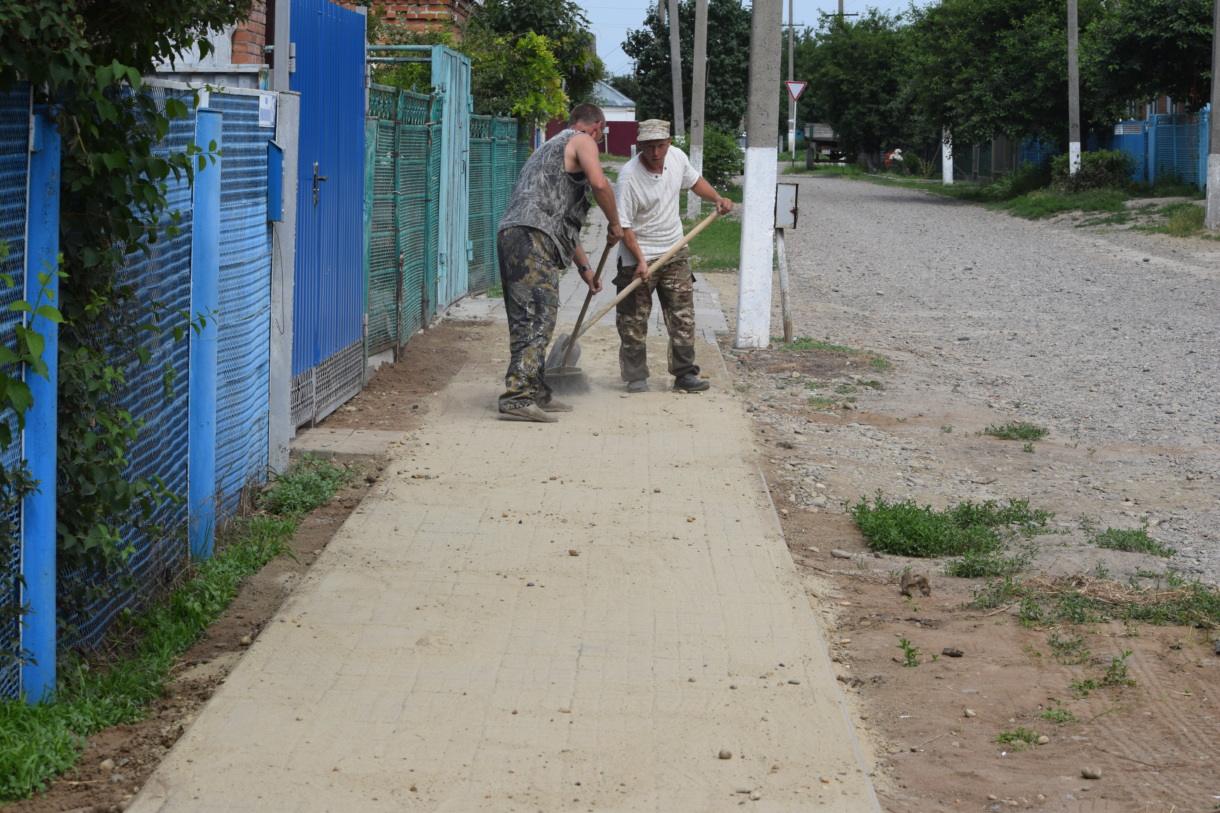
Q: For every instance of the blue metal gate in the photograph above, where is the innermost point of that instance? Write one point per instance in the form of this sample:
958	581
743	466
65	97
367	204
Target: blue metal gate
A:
328	297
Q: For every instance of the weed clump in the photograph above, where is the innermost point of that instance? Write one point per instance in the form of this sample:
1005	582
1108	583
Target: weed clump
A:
1135	540
905	528
1017	430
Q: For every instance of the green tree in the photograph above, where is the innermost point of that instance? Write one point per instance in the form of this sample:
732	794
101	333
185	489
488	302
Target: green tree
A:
860	85
1135	51
985	68
567	36
509	75
728	62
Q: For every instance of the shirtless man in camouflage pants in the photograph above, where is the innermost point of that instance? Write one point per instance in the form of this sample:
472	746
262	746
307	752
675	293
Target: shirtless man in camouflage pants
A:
648	191
539	235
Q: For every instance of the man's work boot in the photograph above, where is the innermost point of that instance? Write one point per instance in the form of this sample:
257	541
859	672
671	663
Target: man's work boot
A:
639	385
555	405
530	412
689	382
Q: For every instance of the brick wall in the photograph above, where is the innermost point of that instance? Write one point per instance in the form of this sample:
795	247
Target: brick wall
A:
250	37
422	16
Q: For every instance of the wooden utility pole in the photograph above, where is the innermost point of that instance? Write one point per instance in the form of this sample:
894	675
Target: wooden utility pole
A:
1073	91
698	85
675	68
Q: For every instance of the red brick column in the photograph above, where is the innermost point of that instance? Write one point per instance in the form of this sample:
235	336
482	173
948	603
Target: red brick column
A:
251	36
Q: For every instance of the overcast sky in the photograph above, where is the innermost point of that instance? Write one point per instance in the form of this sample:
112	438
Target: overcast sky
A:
610	20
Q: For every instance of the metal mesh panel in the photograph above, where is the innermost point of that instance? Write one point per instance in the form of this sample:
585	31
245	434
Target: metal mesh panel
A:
1176	139
416	224
435	144
482	269
14	178
244	339
383	262
156	394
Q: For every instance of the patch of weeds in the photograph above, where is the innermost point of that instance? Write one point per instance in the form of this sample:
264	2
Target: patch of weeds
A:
495	291
1181	220
1115	219
1134	540
947	429
1032	653
1032	613
1068	649
814	385
1087	524
1117	676
1075	608
821	402
910	652
1018	739
807	343
307	484
988	565
845	389
1028	448
907	529
1059	714
1017	430
877	385
880	364
995	593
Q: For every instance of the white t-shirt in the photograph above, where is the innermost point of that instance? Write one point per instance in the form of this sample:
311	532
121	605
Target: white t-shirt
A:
648	203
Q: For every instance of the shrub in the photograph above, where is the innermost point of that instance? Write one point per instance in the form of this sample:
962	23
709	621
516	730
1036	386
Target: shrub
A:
1100	169
723	160
1025	179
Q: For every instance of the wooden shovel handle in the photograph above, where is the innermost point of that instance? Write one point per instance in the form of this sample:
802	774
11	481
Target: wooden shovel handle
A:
635	283
567	354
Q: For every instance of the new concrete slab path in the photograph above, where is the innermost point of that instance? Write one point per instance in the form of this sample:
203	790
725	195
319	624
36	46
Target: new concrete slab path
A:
571	616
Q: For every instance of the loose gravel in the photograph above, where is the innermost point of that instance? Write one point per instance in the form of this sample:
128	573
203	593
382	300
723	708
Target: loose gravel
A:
1109	338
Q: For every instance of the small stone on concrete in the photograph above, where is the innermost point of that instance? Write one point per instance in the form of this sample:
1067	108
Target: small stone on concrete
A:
1090	772
726	754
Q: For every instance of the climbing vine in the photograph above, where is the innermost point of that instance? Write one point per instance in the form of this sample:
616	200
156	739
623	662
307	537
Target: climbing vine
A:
85	61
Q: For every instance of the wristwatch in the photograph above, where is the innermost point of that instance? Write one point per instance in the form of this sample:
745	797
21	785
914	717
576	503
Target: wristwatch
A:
584	268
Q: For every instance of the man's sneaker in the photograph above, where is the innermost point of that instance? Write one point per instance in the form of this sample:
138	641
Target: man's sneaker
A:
530	412
639	385
555	405
689	382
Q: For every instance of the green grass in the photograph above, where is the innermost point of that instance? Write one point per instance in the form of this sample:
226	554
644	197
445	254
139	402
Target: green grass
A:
1181	220
807	343
495	291
1069	648
1017	430
1059	714
905	528
39	742
1133	540
1020	738
718	247
847	171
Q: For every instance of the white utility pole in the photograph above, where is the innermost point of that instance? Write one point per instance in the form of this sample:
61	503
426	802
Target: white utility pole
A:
758	204
698	93
675	68
1212	218
1073	92
946	159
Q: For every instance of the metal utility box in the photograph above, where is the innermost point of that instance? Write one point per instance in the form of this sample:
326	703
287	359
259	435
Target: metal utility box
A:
785	205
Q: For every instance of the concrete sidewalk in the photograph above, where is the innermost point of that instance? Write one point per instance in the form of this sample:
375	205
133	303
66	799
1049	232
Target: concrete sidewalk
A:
571	616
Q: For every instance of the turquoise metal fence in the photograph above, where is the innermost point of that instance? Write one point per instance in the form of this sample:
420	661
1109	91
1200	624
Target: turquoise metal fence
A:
403	214
493	171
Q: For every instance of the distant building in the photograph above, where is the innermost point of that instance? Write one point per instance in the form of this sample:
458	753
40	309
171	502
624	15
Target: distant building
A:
621	126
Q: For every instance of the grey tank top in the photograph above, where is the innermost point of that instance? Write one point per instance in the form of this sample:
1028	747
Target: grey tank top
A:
549	198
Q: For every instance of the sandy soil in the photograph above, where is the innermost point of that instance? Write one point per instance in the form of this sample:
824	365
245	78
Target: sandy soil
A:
931	729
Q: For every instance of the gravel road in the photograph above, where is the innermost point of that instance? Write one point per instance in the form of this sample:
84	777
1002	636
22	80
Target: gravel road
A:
1108	338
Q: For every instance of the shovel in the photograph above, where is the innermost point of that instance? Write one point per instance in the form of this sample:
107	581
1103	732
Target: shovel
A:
565	350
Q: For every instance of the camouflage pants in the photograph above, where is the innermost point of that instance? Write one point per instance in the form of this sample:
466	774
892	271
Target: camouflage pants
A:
675	287
529	272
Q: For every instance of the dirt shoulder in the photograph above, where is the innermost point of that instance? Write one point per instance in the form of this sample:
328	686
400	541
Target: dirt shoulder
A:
832	429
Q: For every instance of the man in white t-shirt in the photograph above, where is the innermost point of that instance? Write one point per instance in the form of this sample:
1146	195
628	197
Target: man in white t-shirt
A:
647	195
